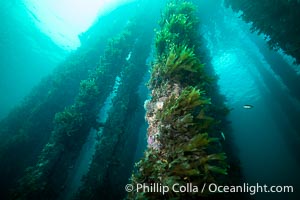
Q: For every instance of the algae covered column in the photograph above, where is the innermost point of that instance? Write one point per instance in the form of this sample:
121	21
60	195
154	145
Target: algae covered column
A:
46	180
182	148
27	128
112	163
278	20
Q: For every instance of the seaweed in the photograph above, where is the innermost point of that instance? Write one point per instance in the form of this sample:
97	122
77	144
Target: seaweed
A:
178	27
275	20
120	129
71	126
181	144
181	65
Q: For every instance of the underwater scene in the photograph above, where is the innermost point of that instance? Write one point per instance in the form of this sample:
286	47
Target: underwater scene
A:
150	99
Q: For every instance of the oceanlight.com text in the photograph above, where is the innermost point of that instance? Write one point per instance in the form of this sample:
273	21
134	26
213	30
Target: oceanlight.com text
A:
251	189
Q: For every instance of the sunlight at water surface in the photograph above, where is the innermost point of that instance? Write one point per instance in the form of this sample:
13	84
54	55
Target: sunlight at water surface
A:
64	20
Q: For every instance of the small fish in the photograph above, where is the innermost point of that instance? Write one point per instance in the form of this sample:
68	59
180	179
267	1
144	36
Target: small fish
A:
129	56
247	106
223	136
